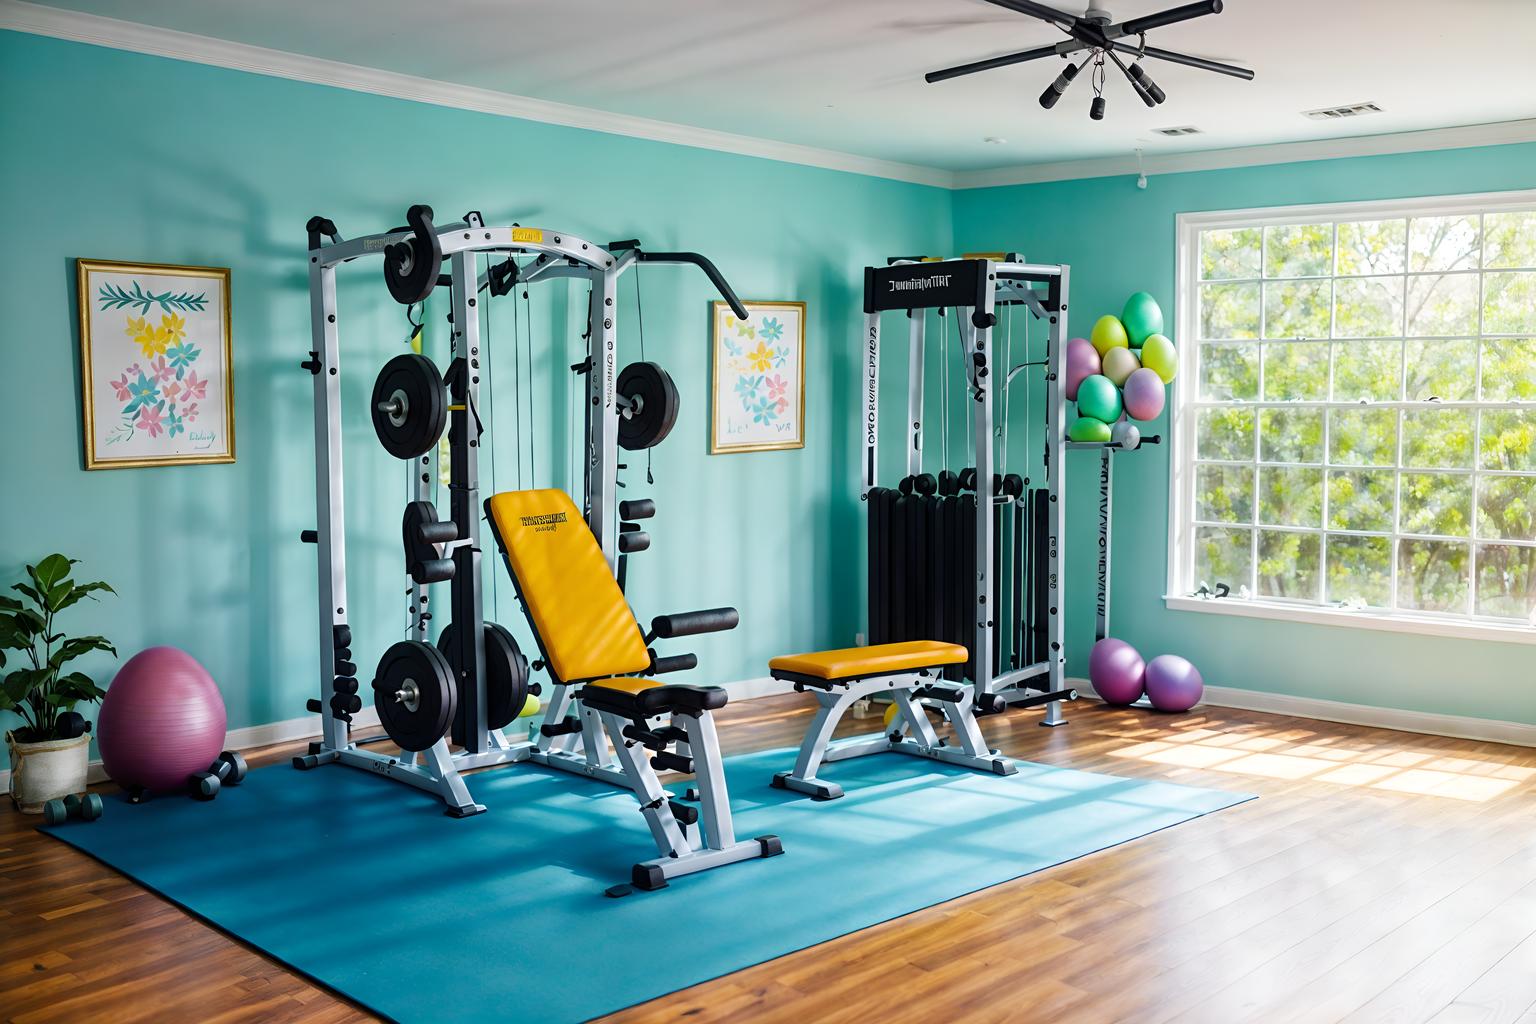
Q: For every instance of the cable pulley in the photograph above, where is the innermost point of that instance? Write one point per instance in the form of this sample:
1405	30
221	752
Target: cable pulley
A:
648	405
409	406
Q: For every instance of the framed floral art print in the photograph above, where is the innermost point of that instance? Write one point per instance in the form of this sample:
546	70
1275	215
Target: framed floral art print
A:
759	378
155	364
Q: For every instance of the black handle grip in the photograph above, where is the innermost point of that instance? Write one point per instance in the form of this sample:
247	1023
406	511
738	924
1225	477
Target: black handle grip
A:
707	620
666	760
561	728
633	541
637	508
714	275
438	533
674	663
319	226
432	570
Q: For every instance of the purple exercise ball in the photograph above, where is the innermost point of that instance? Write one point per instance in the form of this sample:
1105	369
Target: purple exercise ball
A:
1082	362
1116	671
1173	684
161	721
1145	394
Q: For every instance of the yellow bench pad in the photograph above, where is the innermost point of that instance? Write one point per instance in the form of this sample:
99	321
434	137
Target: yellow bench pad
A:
851	662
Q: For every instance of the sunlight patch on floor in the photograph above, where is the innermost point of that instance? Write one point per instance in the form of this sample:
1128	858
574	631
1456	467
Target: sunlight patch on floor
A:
1270	755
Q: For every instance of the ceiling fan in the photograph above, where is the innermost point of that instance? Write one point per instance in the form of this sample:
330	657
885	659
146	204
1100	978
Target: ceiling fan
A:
1096	32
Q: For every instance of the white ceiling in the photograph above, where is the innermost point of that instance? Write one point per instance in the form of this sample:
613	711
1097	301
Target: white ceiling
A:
846	75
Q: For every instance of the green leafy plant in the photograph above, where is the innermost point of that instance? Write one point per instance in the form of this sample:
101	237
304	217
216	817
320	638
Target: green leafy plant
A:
41	690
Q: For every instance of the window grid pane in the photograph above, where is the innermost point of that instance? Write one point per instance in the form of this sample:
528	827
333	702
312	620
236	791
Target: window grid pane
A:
1398	522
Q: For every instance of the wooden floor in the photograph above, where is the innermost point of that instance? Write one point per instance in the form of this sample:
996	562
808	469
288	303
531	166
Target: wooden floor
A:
1381	876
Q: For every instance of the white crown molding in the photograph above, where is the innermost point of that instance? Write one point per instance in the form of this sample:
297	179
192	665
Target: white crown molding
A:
97	30
1486	730
1497	134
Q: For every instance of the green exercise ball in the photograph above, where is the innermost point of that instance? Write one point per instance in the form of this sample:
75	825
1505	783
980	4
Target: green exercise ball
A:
1087	428
1108	333
1159	356
1098	397
1120	363
1142	318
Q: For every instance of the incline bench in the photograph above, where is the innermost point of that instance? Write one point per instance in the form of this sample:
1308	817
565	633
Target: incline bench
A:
595	654
909	671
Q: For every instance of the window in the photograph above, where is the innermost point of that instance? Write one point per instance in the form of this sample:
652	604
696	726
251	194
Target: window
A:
1357	417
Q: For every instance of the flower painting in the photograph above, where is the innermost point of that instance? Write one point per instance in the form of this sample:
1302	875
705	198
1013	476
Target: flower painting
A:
759	378
155	363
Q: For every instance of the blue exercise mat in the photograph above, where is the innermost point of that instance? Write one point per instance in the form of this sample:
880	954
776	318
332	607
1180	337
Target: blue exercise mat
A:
367	887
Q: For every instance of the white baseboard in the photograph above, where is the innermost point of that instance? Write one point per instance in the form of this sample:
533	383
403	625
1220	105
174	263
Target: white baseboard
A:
1429	723
307	727
752	689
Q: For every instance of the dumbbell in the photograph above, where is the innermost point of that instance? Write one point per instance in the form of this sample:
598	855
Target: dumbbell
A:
228	770
87	807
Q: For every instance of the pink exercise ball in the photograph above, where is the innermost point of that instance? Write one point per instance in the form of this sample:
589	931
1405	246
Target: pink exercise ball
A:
1145	394
1116	671
1173	684
1082	362
161	721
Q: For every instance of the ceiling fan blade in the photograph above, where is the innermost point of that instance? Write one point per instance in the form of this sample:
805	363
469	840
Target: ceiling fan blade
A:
992	62
940	25
1136	26
1189	61
1040	11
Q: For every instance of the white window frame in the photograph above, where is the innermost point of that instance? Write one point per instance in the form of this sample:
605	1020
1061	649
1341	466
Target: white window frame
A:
1181	492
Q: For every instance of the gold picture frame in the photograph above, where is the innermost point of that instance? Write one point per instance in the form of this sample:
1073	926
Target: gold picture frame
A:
173	400
762	362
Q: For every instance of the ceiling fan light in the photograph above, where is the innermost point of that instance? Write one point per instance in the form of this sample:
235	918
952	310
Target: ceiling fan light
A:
1054	91
1145	81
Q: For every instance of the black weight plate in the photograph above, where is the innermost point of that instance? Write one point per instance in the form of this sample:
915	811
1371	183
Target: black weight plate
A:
506	676
423	666
659	403
412	429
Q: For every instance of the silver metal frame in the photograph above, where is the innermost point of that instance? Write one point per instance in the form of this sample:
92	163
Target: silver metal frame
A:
556	255
909	732
1006	281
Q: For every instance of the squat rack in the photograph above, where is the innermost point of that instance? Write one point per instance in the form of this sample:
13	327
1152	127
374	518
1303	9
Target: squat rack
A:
975	288
413	256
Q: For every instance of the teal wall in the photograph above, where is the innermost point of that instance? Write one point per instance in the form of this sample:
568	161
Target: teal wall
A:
120	156
1119	239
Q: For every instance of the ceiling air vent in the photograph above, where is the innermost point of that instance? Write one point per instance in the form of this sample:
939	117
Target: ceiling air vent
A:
1187	129
1334	113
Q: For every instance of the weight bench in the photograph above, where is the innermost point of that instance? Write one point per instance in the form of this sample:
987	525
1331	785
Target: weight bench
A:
909	671
595	654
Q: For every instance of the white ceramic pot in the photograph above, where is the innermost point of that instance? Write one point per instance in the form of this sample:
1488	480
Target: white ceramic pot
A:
47	771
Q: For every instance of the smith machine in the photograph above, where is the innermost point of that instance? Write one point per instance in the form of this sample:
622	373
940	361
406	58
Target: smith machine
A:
473	683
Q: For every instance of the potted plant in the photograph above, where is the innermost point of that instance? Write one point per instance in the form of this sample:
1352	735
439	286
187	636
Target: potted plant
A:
50	751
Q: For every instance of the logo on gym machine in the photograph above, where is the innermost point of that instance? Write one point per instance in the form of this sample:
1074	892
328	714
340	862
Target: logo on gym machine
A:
918	284
545	523
871	384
